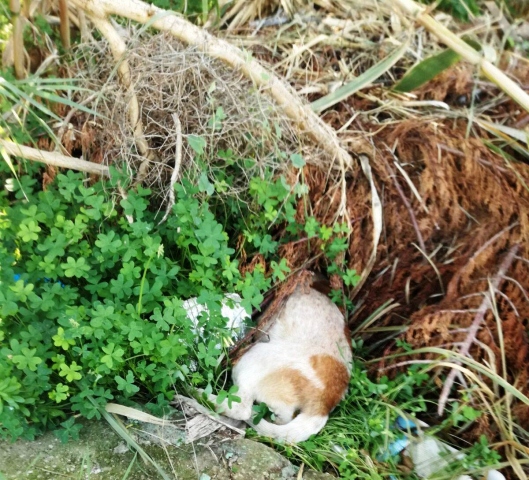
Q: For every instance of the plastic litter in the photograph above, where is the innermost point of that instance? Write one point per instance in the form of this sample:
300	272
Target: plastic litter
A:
236	315
18	276
428	454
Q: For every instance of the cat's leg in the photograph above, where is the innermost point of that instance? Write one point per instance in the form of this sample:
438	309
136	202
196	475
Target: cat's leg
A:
283	412
237	410
298	430
247	375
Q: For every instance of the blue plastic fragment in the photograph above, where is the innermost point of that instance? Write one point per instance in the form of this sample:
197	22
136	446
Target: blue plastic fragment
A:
18	276
405	424
398	445
394	448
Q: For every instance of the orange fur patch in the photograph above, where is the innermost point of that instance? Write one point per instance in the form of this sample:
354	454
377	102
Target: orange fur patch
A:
335	378
290	386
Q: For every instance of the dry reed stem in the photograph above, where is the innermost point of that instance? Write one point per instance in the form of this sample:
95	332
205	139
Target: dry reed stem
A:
119	50
18	40
451	40
52	158
376	211
65	24
83	27
300	114
476	323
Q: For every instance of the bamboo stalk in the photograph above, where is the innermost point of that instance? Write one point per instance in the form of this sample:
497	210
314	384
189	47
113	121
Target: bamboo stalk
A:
18	39
453	42
53	158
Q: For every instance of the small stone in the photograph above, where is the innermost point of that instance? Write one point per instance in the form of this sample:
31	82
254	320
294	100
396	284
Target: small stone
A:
121	448
289	471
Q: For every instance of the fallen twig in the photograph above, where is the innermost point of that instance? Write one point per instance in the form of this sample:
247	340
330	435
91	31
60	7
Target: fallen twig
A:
53	158
176	169
476	323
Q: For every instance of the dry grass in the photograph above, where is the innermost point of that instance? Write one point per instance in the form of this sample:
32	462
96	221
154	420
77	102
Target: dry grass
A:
211	101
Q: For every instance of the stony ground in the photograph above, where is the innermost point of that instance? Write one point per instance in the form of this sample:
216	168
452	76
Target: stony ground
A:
101	454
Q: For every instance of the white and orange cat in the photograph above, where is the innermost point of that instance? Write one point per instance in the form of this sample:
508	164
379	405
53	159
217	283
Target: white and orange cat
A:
301	372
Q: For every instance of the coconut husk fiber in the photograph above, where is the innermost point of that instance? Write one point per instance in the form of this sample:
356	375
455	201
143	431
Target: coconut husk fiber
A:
439	249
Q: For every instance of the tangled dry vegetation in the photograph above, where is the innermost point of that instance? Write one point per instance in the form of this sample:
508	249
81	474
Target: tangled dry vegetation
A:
453	185
213	102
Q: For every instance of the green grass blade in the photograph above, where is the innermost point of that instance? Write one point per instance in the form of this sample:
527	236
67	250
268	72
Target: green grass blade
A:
374	316
65	101
205	11
368	77
496	129
124	434
40	88
7	94
129	469
61	83
8	161
426	70
22	95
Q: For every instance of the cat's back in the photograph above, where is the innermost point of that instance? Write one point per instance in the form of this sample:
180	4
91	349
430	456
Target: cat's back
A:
310	319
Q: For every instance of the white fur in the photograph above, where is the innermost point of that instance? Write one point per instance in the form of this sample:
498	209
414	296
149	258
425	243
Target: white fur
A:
309	324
